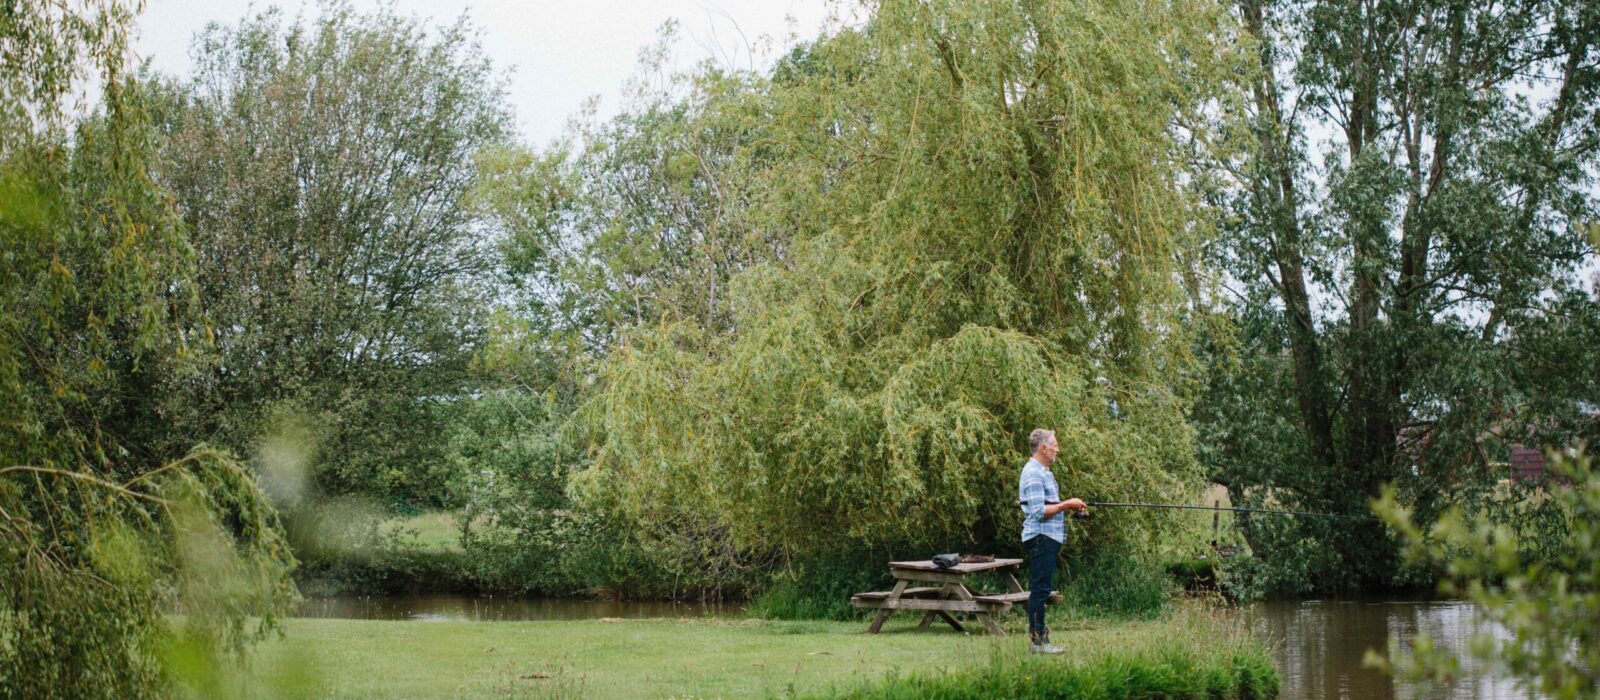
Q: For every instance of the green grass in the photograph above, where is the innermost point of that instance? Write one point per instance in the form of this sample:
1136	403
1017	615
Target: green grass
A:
437	529
698	658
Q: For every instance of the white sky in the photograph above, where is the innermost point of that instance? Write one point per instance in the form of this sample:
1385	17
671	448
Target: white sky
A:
559	53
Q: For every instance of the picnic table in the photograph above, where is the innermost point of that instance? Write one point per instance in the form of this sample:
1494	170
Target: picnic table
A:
949	595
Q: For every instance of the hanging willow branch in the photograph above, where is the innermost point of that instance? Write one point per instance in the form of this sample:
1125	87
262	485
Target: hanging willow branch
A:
87	478
961	270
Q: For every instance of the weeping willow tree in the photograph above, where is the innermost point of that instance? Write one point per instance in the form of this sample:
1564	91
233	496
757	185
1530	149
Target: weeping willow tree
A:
986	214
106	522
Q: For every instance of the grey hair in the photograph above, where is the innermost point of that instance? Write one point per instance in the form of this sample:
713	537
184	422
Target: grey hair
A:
1039	437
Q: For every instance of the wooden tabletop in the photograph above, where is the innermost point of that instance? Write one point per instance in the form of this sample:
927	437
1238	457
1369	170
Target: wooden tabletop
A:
927	565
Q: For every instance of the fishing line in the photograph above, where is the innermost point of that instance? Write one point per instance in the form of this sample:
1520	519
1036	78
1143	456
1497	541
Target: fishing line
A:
1236	510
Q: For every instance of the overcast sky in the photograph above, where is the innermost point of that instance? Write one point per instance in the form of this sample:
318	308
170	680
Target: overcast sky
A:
559	53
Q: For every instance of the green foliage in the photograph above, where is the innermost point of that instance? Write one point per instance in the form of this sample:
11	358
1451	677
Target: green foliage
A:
390	569
1193	574
581	553
818	587
1399	259
47	47
91	566
1165	674
651	218
1113	583
347	546
105	523
1544	607
507	455
325	172
981	240
511	462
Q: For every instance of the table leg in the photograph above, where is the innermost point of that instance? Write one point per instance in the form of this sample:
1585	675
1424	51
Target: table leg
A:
1010	577
883	613
944	593
1011	581
951	620
987	619
994	627
927	619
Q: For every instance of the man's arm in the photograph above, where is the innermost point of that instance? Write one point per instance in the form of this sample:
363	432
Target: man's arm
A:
1035	505
1053	509
1033	501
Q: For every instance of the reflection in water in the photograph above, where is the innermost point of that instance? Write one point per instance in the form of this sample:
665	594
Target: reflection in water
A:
447	607
1318	647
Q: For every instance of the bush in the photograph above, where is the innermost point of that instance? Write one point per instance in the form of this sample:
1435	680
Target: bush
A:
344	550
1193	574
1113	583
389	572
584	553
819	588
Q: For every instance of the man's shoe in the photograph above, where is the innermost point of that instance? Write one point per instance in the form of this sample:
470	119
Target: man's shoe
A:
1045	648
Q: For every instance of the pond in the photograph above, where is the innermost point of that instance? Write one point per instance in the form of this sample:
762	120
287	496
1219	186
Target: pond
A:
1317	645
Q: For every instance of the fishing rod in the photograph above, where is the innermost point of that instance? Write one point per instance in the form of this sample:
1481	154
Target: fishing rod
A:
1172	506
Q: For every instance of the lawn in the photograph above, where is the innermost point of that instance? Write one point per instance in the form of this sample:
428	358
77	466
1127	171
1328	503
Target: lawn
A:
704	658
435	529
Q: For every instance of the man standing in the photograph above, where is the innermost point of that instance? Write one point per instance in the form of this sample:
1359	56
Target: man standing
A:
1044	530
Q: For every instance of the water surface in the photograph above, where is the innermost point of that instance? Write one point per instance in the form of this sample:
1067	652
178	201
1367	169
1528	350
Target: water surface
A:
449	607
1318	646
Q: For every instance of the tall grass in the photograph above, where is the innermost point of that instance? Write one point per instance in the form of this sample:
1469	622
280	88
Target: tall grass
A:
1198	654
1114	583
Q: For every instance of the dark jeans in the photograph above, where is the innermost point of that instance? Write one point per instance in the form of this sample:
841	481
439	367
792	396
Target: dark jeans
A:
1042	554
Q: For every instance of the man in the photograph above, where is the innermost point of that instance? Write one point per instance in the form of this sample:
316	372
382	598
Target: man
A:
1044	530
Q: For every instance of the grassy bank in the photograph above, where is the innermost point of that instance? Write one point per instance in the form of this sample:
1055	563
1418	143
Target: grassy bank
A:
732	658
1138	666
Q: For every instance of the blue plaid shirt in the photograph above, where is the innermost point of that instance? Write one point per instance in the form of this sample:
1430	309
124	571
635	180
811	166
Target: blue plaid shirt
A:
1037	487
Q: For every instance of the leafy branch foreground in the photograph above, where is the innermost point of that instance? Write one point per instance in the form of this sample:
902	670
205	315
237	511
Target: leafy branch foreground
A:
1540	612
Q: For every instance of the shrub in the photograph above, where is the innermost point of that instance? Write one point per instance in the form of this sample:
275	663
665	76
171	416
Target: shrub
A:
1193	574
1114	583
819	588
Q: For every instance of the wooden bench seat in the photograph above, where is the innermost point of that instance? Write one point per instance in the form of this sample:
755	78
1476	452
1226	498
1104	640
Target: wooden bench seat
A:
1015	598
947	605
918	592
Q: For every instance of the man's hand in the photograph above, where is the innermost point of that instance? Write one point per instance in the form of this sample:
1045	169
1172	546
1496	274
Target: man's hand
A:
1051	510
